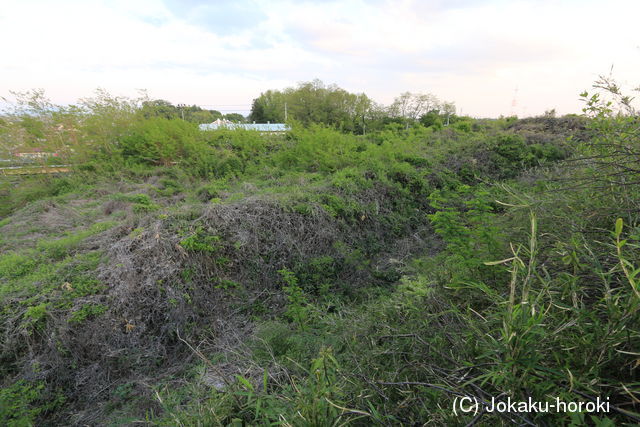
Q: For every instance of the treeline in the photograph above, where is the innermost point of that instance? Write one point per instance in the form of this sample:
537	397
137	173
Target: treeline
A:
155	131
31	119
314	102
190	113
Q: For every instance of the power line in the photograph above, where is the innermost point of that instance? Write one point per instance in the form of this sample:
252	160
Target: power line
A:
215	109
240	106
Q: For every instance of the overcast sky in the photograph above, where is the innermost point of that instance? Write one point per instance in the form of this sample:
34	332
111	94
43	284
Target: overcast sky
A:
481	54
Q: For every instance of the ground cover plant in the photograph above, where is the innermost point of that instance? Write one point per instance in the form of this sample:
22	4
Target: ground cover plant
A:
329	275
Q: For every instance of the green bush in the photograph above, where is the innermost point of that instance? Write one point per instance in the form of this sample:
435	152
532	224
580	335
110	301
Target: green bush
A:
18	404
200	241
297	308
87	311
159	141
13	265
169	187
35	316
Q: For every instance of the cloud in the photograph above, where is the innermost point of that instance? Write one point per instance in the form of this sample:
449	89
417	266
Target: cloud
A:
473	52
219	17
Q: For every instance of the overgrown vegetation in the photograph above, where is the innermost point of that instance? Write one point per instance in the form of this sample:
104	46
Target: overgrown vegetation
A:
324	276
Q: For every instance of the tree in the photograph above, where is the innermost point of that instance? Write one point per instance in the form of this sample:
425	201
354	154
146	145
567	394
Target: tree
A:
448	109
268	107
197	115
107	119
31	119
432	119
410	106
159	108
313	102
235	117
613	150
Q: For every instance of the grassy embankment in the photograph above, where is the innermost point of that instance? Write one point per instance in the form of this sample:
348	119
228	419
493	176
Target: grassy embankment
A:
320	278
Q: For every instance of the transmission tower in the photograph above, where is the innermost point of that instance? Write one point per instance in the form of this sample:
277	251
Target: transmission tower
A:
514	102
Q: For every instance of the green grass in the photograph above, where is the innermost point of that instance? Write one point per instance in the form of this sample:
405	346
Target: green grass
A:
525	288
14	265
59	248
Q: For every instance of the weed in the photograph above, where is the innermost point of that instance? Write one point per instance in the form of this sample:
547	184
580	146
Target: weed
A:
18	403
35	315
199	241
297	309
58	249
87	311
14	265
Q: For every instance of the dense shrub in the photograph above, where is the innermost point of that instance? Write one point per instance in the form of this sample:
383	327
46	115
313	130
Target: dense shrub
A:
160	141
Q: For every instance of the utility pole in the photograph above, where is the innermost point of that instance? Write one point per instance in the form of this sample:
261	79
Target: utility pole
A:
285	112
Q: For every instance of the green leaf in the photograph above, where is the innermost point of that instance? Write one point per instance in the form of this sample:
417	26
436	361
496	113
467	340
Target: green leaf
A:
502	261
626	263
244	382
618	227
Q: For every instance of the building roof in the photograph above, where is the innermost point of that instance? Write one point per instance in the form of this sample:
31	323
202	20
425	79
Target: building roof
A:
33	152
260	127
29	150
